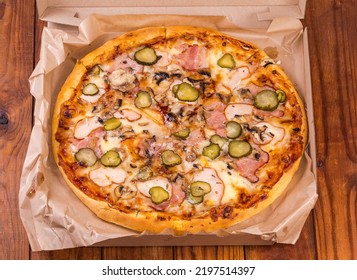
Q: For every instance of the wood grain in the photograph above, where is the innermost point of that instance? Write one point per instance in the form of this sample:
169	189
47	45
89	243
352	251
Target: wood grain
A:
209	253
333	53
138	253
16	57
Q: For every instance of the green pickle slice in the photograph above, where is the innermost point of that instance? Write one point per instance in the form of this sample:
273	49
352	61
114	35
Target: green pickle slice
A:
111	159
239	148
146	56
226	61
158	194
170	158
86	157
143	100
90	89
234	129
182	134
112	123
220	141
266	100
200	188
211	151
186	92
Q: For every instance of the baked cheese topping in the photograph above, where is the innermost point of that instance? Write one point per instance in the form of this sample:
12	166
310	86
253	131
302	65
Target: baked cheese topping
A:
179	127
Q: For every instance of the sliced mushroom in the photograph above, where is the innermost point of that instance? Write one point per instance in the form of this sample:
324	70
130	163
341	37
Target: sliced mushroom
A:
122	80
125	192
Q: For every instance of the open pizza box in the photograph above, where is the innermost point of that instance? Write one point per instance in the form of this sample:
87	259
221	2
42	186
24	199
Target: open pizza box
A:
54	217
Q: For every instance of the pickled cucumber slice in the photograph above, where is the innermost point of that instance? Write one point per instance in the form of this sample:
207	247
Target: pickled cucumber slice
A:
220	141
200	188
266	100
90	89
195	199
186	92
239	148
281	95
112	123
145	173
143	99
234	129
211	151
170	158
146	56
96	70
86	157
226	61
111	159
182	134
158	194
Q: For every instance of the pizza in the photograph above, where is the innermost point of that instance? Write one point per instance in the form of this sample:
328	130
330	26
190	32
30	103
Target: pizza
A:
178	128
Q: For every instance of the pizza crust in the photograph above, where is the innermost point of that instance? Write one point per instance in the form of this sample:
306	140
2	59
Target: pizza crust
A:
160	221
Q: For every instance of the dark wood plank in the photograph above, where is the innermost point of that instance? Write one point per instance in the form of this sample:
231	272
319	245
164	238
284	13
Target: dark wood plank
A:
304	248
68	254
16	65
333	53
209	253
138	253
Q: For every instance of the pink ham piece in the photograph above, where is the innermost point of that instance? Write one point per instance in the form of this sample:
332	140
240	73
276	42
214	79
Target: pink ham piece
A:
254	89
192	58
92	141
247	166
262	114
196	136
215	116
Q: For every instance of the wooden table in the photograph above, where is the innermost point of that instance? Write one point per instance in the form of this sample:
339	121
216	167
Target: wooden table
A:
331	229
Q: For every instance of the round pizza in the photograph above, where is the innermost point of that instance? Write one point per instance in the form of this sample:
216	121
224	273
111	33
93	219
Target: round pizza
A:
179	128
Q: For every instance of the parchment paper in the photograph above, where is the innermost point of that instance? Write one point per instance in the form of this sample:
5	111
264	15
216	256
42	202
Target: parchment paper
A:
55	218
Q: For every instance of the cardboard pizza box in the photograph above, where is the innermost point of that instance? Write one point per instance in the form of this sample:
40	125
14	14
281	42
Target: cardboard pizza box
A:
54	217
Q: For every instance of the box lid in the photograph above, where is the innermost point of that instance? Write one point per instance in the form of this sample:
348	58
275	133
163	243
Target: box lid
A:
244	13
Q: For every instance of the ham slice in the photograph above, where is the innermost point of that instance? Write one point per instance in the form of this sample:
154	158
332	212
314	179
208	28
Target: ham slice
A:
254	89
248	166
92	141
192	58
215	116
196	136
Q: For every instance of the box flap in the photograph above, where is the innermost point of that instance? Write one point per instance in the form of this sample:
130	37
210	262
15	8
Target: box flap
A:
244	13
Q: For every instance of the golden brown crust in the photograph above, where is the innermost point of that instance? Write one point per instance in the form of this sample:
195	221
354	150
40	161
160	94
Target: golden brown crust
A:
156	221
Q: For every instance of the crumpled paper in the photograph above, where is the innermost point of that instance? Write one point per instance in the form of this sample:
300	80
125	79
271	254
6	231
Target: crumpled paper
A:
55	218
